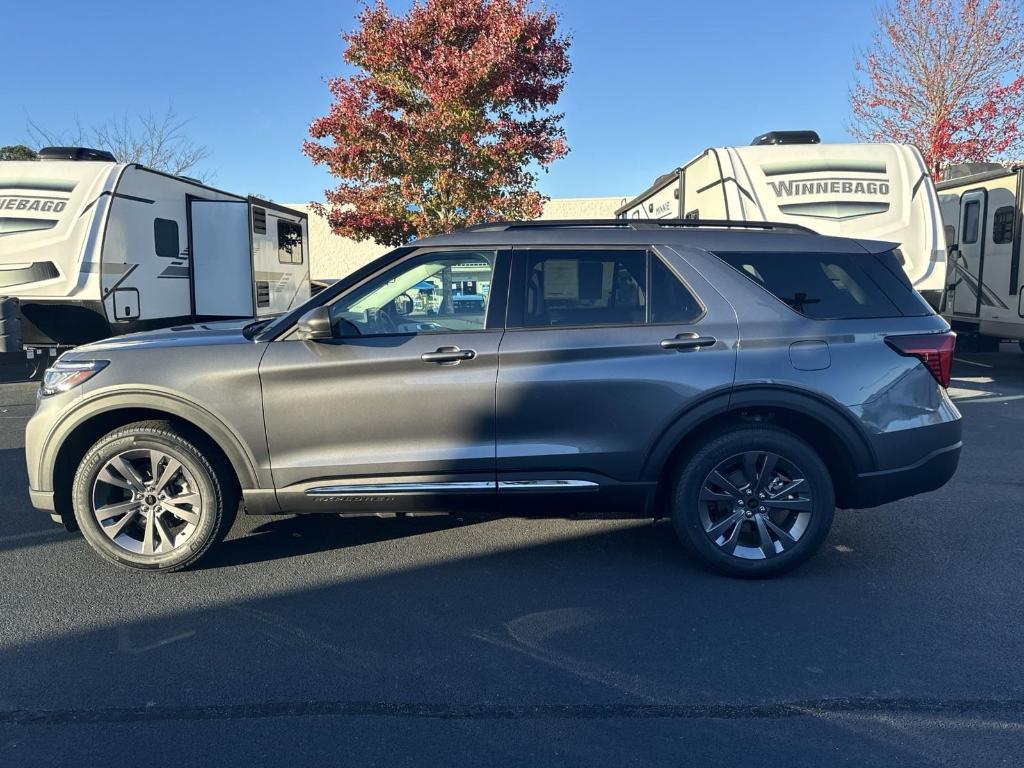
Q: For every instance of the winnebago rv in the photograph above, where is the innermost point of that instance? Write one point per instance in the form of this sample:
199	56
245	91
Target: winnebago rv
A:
90	248
981	211
869	191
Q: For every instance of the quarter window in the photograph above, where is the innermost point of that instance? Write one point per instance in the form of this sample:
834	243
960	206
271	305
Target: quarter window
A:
671	302
1002	225
289	242
972	217
573	288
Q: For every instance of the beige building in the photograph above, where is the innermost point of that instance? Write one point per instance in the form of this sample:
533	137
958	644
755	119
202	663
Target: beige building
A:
333	256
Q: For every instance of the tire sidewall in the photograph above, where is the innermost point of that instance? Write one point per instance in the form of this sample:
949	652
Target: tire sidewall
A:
686	505
191	459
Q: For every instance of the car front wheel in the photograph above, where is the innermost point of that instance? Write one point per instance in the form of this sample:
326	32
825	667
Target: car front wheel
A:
755	501
147	496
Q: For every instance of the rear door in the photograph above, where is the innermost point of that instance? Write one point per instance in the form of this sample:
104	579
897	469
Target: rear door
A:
221	261
605	348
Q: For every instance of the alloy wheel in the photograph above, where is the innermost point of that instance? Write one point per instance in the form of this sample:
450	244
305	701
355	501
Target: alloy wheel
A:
146	501
755	505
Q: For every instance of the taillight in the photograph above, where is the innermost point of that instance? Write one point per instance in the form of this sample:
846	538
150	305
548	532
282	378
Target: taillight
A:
935	350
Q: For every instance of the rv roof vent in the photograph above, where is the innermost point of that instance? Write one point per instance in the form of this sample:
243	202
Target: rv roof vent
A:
76	153
786	137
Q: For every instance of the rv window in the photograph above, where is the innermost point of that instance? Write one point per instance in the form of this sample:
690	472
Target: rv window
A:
833	286
165	236
671	302
972	216
585	288
1002	225
289	242
259	221
694	214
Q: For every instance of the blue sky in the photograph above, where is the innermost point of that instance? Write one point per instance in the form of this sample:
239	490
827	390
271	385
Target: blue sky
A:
654	81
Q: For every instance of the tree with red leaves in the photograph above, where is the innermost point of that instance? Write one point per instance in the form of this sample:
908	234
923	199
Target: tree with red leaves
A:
945	76
446	121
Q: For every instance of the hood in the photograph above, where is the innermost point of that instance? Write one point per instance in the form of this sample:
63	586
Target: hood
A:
195	334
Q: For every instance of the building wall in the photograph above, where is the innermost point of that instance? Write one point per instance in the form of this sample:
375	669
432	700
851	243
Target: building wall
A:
333	256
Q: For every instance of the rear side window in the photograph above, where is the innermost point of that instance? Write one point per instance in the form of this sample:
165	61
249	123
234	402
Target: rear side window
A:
1002	225
671	301
589	287
289	242
833	286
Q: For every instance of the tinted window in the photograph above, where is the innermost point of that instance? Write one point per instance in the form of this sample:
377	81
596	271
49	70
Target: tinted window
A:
827	286
1002	225
165	235
972	216
588	287
289	242
671	302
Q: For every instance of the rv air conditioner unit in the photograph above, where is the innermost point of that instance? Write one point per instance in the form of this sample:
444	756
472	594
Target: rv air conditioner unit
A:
76	153
786	137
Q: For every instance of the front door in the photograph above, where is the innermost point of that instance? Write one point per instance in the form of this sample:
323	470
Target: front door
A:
968	262
396	411
605	348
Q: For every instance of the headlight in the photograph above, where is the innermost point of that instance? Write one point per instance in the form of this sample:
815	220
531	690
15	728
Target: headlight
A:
67	374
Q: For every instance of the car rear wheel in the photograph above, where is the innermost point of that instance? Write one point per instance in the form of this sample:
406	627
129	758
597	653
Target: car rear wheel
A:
147	496
754	502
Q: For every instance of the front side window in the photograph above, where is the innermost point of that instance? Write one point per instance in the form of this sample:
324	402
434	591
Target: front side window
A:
434	293
972	217
585	287
289	242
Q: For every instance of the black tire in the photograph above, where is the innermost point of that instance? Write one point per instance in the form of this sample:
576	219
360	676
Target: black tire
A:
692	517
201	467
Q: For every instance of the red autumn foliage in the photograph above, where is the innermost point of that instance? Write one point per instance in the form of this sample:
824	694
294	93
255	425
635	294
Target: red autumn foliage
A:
945	76
446	120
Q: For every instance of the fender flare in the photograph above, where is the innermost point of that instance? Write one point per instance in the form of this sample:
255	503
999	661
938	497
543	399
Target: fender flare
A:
826	412
170	403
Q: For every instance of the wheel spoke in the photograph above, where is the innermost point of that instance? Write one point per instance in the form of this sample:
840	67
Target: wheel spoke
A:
707	494
717	478
128	473
113	510
723	525
767	470
107	476
147	541
750	472
188	515
114	530
784	537
729	545
166	539
797	505
169	471
767	545
794	485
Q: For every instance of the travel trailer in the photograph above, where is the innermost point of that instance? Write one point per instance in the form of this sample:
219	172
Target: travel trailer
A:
981	211
90	248
869	191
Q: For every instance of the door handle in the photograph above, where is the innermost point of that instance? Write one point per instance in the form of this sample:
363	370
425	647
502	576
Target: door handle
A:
448	355
687	341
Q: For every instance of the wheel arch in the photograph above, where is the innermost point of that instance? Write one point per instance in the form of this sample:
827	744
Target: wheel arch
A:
841	443
78	431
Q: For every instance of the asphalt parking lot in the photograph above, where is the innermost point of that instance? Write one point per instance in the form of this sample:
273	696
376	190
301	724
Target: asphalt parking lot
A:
317	641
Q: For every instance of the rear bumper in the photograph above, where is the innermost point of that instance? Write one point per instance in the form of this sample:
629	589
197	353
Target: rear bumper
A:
931	472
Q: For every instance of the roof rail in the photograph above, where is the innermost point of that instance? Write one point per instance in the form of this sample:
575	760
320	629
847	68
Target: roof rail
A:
637	224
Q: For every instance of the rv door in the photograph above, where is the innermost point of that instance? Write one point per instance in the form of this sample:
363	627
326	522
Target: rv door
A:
968	260
221	261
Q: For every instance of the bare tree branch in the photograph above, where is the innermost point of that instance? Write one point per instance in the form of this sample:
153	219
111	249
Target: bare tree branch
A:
158	141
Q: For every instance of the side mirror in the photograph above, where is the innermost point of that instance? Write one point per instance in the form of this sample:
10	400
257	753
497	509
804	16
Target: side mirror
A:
315	324
403	304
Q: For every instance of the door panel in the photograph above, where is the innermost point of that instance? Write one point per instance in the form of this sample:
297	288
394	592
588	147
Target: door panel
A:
590	402
221	264
370	411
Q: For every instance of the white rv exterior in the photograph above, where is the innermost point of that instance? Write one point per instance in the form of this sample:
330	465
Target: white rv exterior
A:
93	248
981	212
868	191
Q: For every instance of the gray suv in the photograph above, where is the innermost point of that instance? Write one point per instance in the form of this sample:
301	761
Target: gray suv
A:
743	380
